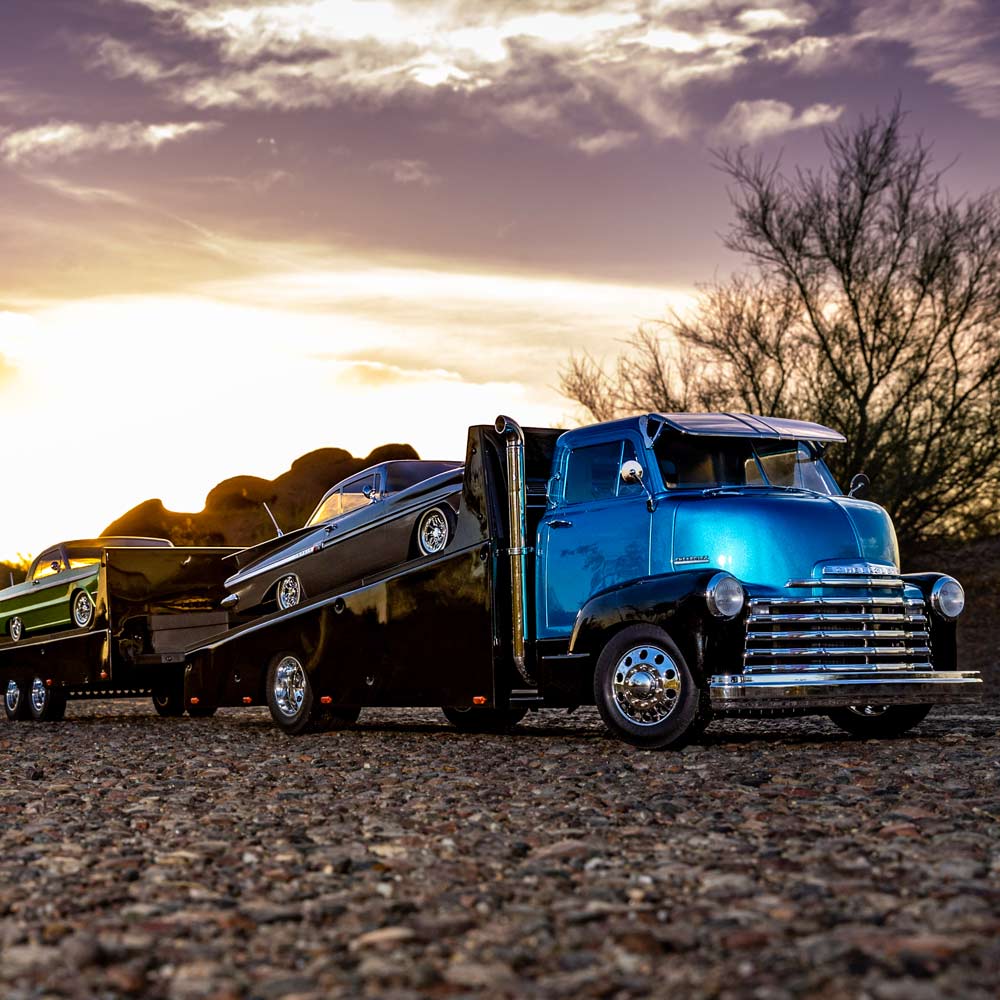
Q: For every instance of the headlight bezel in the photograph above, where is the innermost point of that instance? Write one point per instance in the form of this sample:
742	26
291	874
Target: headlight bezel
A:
712	596
939	600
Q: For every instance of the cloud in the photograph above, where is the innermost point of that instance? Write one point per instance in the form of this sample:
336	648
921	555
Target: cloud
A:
955	43
751	121
589	74
83	192
66	140
406	171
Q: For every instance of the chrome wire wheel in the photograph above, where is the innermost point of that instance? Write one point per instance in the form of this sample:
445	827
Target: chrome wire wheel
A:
646	685
433	531
39	696
16	628
289	689
12	698
868	711
83	609
289	592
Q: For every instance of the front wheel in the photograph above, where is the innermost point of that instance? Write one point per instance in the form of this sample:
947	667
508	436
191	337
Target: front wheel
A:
434	530
879	722
15	702
45	703
645	691
484	720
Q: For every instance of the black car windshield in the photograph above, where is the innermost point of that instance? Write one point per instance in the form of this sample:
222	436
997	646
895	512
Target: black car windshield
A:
701	462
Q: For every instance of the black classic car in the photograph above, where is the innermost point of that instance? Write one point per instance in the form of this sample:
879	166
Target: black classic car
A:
413	503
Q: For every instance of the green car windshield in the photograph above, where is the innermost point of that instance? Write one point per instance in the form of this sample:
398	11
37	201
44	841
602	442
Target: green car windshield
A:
702	462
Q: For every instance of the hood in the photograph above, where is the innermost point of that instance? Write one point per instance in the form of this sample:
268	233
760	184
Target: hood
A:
767	539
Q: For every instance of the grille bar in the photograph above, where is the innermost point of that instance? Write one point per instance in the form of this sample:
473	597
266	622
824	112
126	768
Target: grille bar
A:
810	634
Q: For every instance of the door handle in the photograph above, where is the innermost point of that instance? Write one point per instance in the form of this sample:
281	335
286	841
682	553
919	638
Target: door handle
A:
560	524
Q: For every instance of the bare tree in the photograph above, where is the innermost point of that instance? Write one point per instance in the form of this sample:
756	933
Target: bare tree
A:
873	306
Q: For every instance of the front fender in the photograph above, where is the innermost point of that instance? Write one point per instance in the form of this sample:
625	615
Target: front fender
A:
676	603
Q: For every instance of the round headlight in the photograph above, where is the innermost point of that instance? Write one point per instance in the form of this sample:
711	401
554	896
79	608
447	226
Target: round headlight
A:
724	595
948	598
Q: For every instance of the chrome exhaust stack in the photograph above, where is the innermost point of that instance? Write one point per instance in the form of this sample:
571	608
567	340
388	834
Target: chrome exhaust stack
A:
517	503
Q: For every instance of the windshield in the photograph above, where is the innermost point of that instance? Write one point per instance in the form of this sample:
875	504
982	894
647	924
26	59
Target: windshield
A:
702	462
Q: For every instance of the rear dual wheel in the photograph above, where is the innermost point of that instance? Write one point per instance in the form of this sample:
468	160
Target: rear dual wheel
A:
15	702
46	703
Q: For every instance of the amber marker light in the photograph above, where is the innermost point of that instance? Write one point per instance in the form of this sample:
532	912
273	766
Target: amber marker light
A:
194	701
247	700
479	700
326	700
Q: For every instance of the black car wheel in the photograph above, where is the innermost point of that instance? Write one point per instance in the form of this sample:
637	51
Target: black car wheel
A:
484	720
82	609
434	530
290	695
15	703
45	703
15	628
879	722
288	592
645	692
169	702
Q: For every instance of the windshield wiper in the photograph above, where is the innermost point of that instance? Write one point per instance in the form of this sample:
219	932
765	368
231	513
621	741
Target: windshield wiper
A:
734	489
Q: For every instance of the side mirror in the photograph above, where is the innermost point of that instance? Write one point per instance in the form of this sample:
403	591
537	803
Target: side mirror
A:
860	486
631	473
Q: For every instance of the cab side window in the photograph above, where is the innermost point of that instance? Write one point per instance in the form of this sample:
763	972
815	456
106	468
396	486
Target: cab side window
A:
355	495
593	472
49	563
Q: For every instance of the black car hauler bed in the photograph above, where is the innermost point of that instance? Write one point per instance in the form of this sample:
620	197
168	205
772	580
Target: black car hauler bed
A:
151	604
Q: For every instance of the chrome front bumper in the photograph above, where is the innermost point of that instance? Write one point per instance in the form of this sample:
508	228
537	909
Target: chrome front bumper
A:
833	689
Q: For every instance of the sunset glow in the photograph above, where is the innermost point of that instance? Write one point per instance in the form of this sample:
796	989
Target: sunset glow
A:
234	232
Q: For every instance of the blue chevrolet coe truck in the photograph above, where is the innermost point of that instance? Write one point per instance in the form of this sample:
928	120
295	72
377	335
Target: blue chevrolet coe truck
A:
669	568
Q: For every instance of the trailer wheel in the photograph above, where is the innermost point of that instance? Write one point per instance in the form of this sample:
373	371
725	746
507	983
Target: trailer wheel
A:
45	703
290	695
434	530
15	704
81	609
484	720
645	691
169	703
879	722
16	628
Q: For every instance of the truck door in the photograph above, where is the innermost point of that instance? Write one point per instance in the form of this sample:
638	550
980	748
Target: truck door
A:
597	535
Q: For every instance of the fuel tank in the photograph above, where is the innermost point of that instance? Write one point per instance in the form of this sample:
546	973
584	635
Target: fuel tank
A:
767	539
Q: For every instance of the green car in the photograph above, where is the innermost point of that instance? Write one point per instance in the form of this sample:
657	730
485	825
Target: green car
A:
60	588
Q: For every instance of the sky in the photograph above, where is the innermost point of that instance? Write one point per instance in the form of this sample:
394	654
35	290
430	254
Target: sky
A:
233	231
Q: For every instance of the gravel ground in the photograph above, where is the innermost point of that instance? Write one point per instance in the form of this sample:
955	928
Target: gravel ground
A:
197	858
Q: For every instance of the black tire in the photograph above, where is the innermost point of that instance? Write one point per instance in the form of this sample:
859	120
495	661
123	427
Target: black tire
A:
484	720
15	702
169	703
81	609
665	711
871	722
290	696
435	528
202	710
46	703
331	717
15	628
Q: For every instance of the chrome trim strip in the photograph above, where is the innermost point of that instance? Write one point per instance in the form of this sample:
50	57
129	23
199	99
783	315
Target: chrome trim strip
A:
759	601
838	616
837	651
866	633
834	689
888	582
765	669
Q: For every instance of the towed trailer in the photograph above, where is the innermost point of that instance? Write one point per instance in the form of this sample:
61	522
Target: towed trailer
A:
668	568
148	605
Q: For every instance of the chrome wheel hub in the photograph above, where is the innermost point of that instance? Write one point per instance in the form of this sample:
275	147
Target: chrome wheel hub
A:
868	711
289	592
433	532
289	687
83	610
16	628
12	697
646	685
39	694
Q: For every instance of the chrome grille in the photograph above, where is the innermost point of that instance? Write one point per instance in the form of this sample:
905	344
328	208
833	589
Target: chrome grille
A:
837	633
